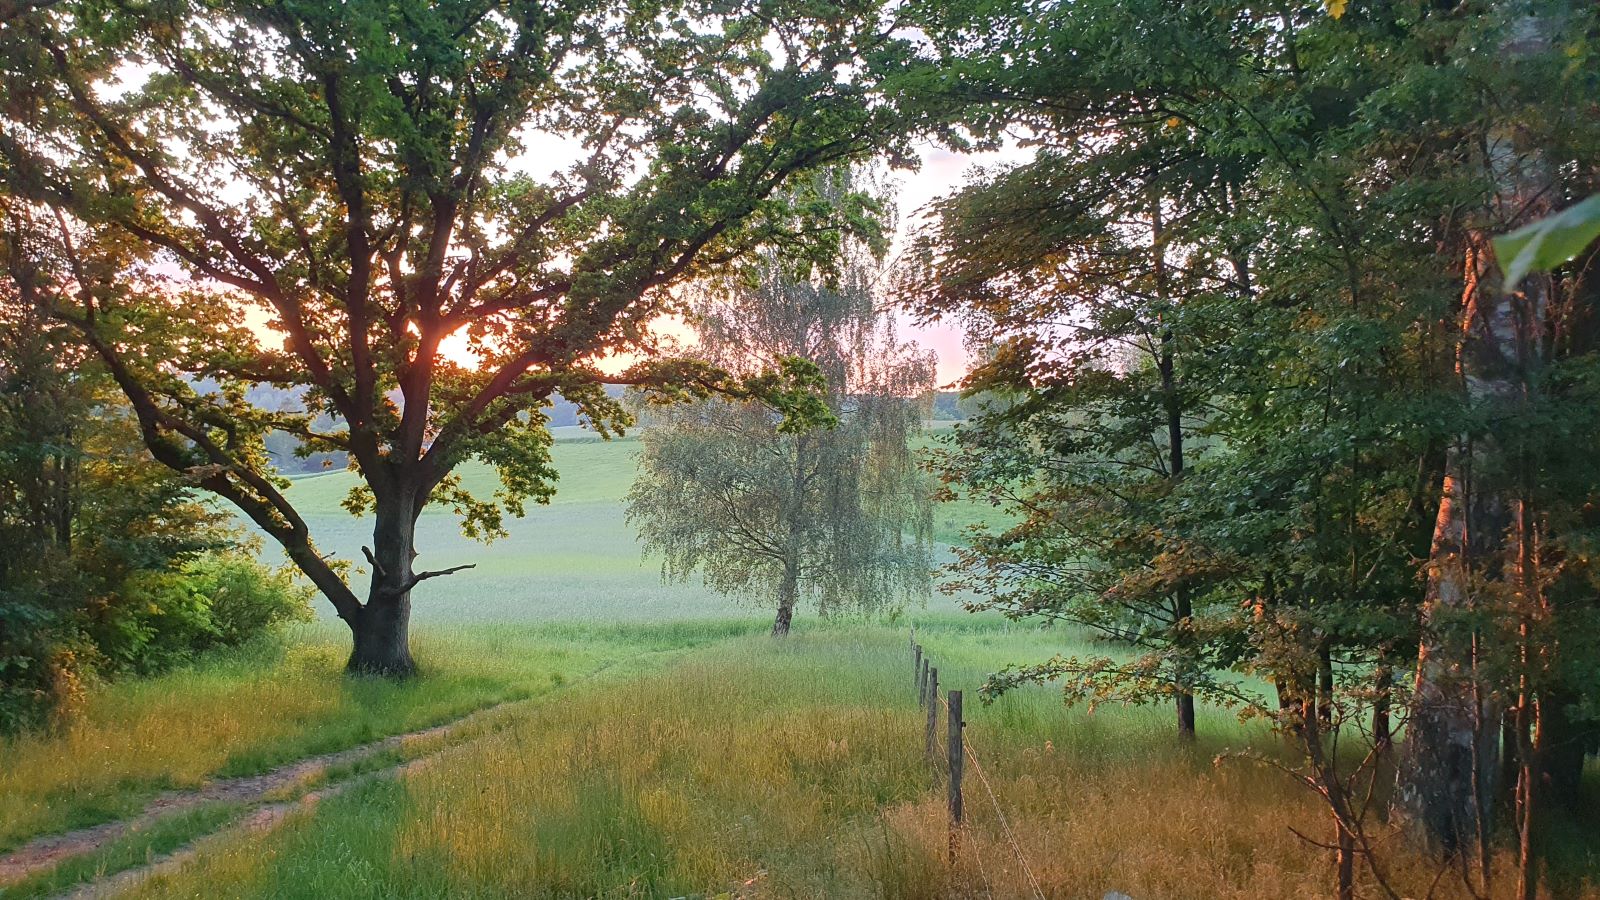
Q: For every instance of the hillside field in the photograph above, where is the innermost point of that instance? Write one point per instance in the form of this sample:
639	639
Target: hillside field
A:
573	559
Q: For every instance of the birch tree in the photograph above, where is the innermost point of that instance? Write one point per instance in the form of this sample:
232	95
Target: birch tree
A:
840	516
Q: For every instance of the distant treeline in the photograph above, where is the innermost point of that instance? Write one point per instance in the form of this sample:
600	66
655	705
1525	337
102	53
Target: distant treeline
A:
283	448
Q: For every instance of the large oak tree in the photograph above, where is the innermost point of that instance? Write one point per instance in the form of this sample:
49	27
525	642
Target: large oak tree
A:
363	180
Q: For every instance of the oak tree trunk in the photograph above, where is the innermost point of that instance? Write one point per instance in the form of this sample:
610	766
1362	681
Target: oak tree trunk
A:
380	630
381	639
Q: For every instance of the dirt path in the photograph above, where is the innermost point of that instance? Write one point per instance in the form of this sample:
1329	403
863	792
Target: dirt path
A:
43	852
259	821
270	797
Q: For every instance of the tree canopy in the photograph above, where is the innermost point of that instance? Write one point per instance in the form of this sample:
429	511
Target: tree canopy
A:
366	180
840	515
1258	357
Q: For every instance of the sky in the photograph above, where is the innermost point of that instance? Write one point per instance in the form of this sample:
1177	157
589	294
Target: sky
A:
941	172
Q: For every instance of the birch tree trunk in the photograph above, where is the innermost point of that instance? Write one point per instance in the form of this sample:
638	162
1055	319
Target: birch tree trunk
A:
1450	756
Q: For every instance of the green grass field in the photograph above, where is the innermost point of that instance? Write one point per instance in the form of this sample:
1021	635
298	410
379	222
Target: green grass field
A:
245	712
716	762
650	740
574	559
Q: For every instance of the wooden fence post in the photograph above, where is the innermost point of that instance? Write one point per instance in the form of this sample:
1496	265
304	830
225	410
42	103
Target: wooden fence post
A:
956	759
916	669
933	712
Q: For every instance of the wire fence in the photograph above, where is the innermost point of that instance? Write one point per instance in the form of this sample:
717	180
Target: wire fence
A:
959	753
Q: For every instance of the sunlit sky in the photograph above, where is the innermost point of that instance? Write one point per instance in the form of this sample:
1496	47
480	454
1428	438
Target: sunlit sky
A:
941	171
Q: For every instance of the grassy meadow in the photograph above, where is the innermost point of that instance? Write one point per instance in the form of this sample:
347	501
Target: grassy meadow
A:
649	740
573	559
276	702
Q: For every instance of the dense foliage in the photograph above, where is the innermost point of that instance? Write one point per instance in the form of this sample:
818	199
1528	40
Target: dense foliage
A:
108	563
1290	332
838	515
531	178
1270	409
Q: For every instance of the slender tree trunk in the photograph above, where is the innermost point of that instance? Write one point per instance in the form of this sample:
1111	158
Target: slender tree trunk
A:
787	590
1287	703
794	507
1185	699
1325	685
1382	730
1510	758
66	493
1344	861
1529	704
381	628
1172	402
1527	795
1563	744
1336	792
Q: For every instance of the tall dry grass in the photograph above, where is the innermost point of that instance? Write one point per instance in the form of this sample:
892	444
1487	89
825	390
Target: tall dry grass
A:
757	768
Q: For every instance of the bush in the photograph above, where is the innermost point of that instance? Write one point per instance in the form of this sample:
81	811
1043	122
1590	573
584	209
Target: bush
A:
56	636
108	562
24	661
162	619
247	598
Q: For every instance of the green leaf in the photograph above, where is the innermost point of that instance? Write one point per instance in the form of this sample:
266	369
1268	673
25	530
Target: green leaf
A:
1549	242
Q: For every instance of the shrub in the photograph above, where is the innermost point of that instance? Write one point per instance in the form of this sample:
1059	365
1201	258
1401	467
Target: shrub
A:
161	619
24	656
245	597
58	635
108	563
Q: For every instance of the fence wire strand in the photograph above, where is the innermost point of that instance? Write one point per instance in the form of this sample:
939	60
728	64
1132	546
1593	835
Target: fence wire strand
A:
1005	824
983	873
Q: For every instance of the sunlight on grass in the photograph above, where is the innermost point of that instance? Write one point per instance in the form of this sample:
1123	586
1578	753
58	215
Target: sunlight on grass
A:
246	712
762	768
573	560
